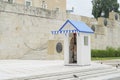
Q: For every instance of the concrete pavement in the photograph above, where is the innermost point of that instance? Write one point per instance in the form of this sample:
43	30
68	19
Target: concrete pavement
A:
23	69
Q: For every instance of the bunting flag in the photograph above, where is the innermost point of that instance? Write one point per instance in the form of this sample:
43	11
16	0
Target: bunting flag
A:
64	32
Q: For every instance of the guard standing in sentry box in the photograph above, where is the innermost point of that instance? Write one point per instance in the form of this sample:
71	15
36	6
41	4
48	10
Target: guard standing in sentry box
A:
77	49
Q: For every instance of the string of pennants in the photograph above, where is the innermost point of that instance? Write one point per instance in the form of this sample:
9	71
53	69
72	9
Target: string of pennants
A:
65	31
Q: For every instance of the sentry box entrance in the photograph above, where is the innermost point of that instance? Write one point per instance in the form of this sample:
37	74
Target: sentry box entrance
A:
77	49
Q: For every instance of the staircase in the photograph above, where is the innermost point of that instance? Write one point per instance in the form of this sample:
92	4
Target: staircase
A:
86	74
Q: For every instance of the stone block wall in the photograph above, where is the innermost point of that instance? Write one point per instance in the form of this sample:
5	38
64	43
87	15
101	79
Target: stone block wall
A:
107	35
26	30
23	29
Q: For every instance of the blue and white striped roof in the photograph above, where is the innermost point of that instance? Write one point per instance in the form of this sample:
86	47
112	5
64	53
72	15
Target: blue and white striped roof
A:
78	27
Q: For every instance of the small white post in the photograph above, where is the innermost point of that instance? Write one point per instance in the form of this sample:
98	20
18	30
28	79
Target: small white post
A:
66	49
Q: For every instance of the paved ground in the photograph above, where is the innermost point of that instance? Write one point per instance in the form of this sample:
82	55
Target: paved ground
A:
117	78
29	69
114	63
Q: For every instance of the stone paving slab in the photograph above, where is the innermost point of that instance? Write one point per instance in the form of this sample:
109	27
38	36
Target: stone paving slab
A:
114	62
10	69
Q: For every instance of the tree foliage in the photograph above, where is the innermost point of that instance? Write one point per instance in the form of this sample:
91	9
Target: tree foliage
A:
103	7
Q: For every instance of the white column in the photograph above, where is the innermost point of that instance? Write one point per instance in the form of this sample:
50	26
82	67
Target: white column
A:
89	51
66	49
79	46
83	51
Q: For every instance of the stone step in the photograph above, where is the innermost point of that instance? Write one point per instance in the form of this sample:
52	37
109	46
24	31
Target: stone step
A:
98	76
82	75
68	74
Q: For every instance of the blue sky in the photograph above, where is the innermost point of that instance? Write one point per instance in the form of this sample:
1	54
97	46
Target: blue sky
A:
81	7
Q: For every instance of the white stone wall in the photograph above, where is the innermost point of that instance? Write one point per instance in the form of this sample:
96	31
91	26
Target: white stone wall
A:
22	32
27	29
106	36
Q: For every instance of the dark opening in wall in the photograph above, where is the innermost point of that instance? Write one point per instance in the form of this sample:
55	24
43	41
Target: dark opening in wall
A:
10	1
116	17
93	28
105	22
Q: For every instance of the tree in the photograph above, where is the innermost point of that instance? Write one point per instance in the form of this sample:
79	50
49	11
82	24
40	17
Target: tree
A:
101	8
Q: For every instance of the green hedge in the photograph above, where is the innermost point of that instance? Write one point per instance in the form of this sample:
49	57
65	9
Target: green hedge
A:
109	52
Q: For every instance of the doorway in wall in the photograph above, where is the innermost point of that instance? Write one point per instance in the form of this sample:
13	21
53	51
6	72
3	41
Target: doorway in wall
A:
73	48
